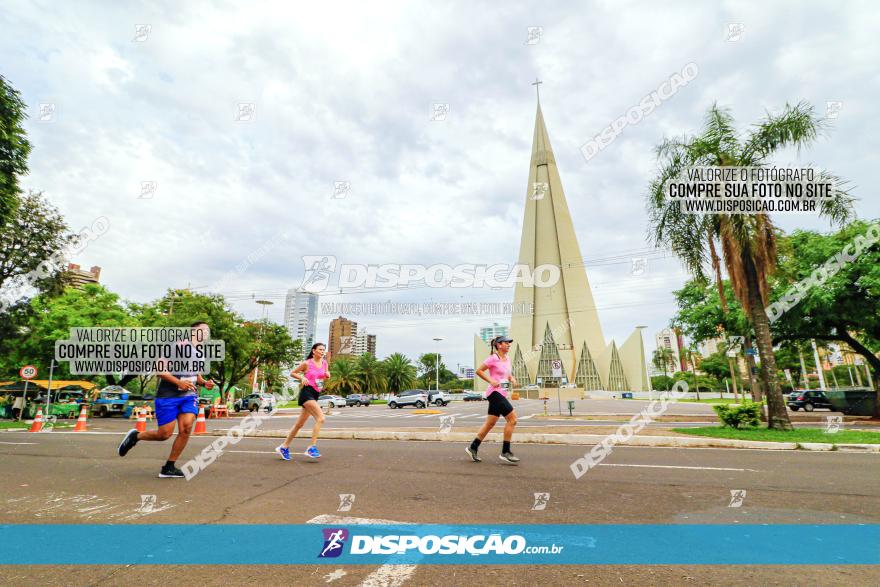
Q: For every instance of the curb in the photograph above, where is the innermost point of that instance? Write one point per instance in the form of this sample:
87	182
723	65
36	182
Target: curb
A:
569	439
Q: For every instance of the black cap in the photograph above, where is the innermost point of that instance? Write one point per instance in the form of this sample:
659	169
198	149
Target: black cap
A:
501	339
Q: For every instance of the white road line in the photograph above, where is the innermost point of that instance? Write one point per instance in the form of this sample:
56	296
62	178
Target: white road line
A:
676	467
19	443
258	452
384	576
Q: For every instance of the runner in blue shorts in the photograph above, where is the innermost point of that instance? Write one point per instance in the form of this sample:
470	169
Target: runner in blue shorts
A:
177	401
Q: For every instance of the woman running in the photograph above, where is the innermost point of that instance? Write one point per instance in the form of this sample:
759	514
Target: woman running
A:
311	374
499	380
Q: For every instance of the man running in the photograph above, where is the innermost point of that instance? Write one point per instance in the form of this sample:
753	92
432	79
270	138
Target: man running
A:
177	400
499	380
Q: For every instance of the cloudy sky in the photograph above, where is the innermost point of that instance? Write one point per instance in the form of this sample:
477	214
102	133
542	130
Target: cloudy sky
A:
344	92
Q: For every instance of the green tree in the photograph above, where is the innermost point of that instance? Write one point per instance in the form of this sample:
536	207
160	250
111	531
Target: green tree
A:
246	343
841	309
663	358
399	371
14	148
748	241
344	377
52	318
371	374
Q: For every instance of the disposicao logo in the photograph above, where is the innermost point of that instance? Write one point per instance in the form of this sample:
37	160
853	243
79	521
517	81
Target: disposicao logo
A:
334	540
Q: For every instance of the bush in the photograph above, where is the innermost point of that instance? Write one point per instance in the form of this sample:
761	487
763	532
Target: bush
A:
747	414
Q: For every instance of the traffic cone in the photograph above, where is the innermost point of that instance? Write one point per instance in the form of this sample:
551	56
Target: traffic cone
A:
81	421
142	421
201	425
37	426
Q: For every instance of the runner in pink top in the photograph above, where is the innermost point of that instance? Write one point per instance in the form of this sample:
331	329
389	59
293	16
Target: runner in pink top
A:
311	374
500	380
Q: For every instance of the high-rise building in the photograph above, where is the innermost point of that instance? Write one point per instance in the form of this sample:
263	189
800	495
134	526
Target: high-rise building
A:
79	277
563	329
489	332
672	340
365	343
301	316
343	335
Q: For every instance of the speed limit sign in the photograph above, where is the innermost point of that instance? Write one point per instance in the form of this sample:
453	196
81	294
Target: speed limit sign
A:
28	372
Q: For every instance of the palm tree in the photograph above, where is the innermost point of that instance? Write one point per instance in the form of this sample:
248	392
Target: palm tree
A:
369	371
344	377
663	358
748	241
690	356
399	372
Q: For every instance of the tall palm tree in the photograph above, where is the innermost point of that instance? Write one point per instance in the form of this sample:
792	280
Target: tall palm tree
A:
344	377
748	241
370	373
399	372
663	357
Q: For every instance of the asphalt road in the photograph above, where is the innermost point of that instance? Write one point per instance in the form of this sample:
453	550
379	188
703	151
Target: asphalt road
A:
63	477
470	415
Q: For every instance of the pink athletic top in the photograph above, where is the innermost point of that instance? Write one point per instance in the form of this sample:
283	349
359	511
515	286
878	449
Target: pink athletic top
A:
499	370
315	374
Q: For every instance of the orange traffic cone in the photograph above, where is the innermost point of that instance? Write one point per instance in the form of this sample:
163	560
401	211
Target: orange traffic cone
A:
201	425
37	426
81	421
142	421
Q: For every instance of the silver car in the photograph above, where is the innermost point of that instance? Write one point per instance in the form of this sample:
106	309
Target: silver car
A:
410	397
331	401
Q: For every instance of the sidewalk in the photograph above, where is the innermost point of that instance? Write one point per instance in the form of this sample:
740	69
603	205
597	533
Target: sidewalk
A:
663	439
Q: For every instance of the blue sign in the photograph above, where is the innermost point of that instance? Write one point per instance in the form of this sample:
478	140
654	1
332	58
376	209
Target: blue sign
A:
429	544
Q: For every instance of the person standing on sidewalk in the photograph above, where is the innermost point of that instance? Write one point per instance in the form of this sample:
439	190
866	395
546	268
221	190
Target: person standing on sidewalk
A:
499	380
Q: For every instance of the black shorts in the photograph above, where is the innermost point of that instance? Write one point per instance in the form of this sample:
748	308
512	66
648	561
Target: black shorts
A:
307	393
499	405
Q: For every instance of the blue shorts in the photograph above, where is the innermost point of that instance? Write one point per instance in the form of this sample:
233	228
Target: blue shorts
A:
168	408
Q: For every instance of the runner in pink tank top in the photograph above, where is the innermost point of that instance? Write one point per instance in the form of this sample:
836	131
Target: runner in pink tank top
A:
311	374
501	381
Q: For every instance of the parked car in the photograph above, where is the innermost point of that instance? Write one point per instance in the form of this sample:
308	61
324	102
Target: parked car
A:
439	398
809	400
255	401
410	397
473	396
357	399
332	401
110	401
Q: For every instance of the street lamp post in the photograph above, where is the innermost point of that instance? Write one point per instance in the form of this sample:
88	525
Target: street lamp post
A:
645	363
437	339
265	304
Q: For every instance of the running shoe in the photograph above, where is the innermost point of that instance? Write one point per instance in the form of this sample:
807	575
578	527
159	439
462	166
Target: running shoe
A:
508	457
284	452
171	473
128	442
312	452
473	453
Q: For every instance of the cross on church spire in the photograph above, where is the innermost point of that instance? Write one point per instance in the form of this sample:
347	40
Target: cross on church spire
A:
537	83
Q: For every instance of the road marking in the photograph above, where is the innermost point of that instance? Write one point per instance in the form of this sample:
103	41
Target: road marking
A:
384	576
677	467
257	452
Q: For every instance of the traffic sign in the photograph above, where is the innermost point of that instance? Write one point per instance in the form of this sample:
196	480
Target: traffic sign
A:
28	372
556	368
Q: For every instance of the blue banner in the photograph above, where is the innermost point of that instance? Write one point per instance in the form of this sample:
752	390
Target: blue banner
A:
518	544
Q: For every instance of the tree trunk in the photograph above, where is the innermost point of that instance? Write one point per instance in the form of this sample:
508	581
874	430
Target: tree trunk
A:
777	414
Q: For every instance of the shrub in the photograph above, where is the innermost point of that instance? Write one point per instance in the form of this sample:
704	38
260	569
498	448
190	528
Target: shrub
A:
746	414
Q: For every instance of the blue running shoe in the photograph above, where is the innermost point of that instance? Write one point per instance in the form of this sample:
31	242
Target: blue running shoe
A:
284	452
313	453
